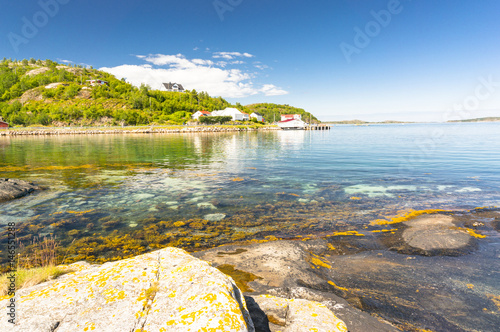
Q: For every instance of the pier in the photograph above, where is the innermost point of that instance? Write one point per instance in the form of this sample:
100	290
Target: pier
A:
318	127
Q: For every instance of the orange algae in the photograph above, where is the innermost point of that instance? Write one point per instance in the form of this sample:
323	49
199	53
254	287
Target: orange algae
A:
402	218
495	299
355	198
238	179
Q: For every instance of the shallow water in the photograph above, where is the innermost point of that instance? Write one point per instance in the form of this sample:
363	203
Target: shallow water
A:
201	190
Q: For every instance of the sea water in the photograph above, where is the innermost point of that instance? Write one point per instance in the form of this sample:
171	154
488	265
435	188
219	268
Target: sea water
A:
217	188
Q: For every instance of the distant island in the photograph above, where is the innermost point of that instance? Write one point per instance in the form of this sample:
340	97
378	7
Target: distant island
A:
361	122
487	119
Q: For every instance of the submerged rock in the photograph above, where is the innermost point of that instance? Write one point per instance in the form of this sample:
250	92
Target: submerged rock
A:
432	235
14	188
206	206
214	216
165	290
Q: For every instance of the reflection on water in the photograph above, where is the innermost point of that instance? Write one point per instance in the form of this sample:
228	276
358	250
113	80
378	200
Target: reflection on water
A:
116	196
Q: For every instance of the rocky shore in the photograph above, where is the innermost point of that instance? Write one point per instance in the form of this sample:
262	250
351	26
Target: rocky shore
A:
165	290
13	188
149	130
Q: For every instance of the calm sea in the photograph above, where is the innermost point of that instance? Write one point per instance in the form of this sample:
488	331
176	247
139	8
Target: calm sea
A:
252	185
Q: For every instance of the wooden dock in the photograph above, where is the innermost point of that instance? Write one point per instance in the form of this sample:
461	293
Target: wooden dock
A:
318	127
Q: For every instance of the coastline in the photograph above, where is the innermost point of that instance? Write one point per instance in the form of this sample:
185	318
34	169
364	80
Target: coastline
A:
131	130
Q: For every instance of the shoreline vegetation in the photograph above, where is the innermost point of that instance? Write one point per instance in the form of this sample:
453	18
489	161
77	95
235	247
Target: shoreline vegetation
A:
41	131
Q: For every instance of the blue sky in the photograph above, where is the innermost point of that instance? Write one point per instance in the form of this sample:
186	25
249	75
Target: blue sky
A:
339	59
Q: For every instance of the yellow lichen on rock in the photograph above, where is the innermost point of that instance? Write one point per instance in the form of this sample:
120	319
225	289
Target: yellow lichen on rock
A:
299	314
405	217
318	262
334	285
346	233
157	299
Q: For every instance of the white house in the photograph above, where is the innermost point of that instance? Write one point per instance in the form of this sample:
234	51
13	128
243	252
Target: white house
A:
234	113
291	117
292	124
175	87
246	117
199	114
257	116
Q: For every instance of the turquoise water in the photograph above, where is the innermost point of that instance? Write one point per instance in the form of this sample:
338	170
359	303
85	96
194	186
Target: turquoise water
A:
391	166
243	186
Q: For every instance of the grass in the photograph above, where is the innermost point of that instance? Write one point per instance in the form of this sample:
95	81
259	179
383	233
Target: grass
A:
37	264
30	277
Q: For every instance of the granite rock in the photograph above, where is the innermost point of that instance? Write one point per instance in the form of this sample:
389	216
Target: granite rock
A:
14	188
165	290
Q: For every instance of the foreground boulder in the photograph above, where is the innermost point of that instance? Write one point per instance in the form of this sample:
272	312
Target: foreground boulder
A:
14	188
165	290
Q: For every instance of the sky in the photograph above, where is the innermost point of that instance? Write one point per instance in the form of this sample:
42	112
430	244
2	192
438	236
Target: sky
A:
372	60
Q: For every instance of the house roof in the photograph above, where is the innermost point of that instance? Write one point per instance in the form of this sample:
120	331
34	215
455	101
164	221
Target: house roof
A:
170	86
257	113
4	122
204	112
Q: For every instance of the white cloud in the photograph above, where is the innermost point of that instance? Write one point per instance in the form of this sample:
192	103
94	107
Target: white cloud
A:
262	67
231	55
203	62
272	90
196	74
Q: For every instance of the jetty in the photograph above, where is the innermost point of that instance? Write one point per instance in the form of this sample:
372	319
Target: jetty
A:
318	127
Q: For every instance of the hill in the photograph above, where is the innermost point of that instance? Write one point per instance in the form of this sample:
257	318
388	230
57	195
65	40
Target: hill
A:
44	92
272	112
37	92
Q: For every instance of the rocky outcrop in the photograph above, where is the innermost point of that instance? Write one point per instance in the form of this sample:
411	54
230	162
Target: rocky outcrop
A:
291	270
165	290
298	315
13	188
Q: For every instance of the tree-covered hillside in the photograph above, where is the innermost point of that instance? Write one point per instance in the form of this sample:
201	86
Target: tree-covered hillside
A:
272	112
28	97
44	92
